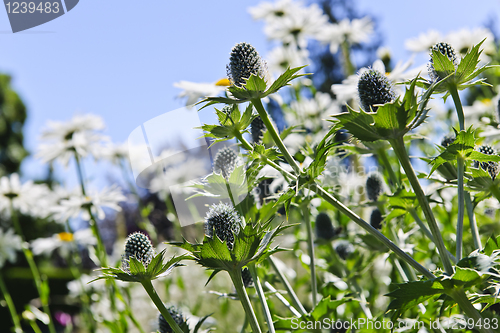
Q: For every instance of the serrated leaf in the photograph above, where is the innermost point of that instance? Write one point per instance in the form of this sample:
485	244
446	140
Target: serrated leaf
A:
462	147
359	124
469	63
442	64
284	79
255	83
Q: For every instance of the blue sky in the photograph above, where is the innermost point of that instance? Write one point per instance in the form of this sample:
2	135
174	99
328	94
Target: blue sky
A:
119	59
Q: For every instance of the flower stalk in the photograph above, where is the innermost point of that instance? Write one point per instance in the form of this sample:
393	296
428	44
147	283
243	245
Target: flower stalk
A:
310	249
148	286
262	297
400	150
245	301
10	305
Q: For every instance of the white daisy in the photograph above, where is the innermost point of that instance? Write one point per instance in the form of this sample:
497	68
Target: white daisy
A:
195	91
77	205
297	26
80	134
353	31
282	57
28	198
464	39
271	11
64	242
424	41
10	243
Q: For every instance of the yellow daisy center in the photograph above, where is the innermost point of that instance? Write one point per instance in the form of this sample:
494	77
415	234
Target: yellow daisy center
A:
65	236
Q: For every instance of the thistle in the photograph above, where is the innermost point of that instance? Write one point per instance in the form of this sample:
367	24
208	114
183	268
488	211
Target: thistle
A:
243	62
225	162
448	140
374	88
374	186
257	129
224	221
247	278
324	227
344	249
164	326
445	49
492	167
227	110
376	219
139	246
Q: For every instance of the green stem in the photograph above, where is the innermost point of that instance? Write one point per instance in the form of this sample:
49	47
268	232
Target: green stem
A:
282	299
346	53
10	305
288	287
382	154
262	297
472	221
400	151
426	231
387	242
245	301
274	134
310	249
249	147
460	213
244	326
463	302
148	286
452	89
41	286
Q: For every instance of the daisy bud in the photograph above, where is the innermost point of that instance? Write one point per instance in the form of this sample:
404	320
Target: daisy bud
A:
164	326
243	62
448	140
247	278
139	246
445	49
224	221
225	161
376	219
324	227
257	129
344	249
374	88
374	186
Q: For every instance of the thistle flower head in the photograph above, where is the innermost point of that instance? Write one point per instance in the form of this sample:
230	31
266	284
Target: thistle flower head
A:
257	129
445	49
164	326
227	111
491	167
374	186
344	249
243	62
376	219
324	227
139	246
448	140
225	162
247	278
224	221
374	88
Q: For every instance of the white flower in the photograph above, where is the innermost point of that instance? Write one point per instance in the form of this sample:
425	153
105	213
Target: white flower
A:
464	39
10	243
424	41
297	26
283	57
194	91
65	242
354	32
115	153
312	112
62	139
270	11
28	198
77	205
